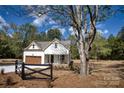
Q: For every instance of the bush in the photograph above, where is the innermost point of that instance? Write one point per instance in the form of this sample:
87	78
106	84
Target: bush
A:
71	65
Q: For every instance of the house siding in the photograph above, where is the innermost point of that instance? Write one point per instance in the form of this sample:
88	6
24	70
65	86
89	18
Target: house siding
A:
59	50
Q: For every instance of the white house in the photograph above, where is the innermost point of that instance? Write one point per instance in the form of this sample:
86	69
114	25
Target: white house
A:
55	51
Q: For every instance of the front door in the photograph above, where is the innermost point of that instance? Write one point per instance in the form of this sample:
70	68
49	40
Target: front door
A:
52	58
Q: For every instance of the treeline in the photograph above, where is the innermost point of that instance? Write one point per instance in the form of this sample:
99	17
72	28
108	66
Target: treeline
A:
12	45
111	48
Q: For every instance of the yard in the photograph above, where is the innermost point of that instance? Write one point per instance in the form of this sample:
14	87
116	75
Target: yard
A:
103	74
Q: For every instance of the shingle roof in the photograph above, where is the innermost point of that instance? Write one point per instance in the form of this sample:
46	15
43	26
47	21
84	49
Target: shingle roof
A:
44	45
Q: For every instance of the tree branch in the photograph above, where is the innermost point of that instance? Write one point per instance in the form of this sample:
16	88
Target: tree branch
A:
92	28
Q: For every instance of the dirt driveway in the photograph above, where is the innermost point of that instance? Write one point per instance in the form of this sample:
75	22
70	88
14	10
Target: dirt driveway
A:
103	74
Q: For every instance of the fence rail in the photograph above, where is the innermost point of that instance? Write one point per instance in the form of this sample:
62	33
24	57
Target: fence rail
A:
21	68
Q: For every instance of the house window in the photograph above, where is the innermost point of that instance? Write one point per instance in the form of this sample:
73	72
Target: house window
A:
55	45
33	45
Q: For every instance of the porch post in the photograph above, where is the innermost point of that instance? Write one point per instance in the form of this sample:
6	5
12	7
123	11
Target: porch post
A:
59	59
69	58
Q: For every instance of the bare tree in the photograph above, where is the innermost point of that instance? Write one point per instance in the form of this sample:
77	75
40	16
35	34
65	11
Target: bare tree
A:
83	21
84	39
81	18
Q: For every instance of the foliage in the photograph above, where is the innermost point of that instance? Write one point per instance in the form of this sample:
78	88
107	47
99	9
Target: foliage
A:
42	36
73	47
117	47
100	49
54	33
82	19
28	34
111	48
12	46
5	50
120	34
74	52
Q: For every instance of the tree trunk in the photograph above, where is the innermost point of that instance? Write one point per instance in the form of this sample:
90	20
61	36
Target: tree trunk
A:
83	59
83	65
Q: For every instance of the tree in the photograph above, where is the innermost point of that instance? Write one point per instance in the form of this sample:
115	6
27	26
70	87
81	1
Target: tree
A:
22	36
42	36
28	33
117	48
83	21
100	49
54	33
5	50
73	48
120	34
76	16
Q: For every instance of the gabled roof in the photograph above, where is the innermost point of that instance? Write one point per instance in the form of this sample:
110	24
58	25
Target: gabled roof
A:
43	45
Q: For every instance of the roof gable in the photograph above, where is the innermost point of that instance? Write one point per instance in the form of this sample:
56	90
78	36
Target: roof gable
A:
46	44
66	44
32	46
56	48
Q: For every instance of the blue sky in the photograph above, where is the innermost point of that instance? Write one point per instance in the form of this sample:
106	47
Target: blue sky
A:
8	15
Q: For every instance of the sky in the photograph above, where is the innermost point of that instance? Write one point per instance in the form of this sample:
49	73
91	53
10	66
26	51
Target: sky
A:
10	15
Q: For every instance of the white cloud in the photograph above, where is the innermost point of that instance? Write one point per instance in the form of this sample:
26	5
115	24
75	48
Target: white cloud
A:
71	31
52	22
55	26
39	20
62	30
3	23
99	25
106	31
102	31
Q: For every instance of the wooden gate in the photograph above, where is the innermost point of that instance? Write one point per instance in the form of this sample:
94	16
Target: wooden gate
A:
34	71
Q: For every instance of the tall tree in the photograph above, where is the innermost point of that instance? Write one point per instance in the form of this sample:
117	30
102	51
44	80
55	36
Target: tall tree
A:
41	36
117	47
54	33
83	21
28	33
120	34
73	48
22	36
100	48
5	49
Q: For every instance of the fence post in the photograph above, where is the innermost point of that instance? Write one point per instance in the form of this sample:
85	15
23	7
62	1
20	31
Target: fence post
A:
51	70
23	71
16	63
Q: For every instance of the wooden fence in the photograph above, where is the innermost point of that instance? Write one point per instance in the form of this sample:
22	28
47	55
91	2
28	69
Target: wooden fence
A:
27	72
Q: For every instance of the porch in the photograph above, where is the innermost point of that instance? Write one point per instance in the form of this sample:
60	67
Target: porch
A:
57	59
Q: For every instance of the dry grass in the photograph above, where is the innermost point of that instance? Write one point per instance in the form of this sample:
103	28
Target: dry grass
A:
103	74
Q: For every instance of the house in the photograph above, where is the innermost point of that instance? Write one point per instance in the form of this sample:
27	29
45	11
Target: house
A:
55	51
